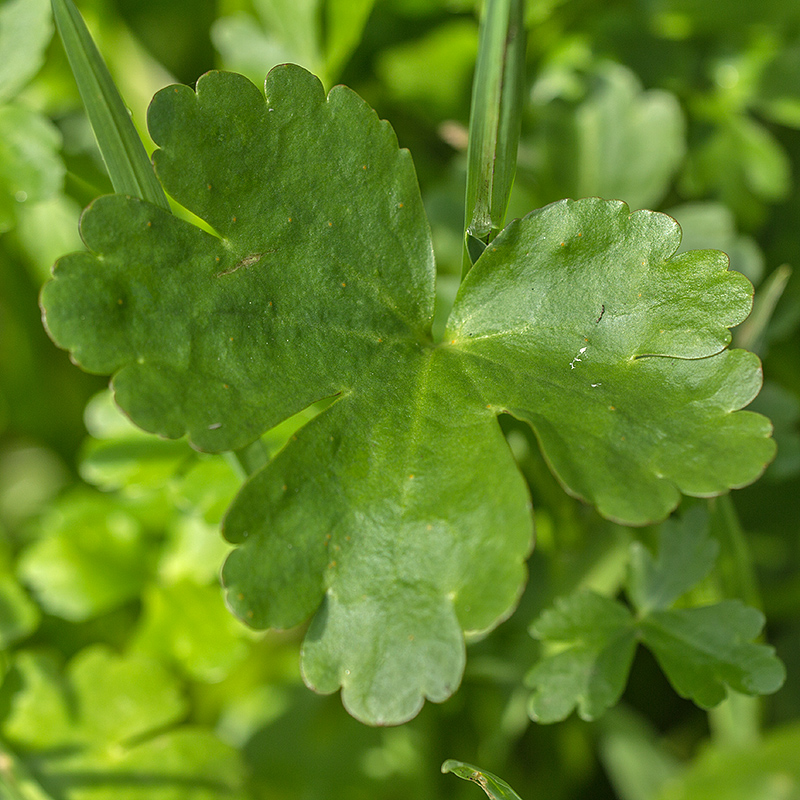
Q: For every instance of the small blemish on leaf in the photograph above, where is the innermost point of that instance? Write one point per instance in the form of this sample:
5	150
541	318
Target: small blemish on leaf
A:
602	311
399	205
250	614
149	224
119	302
240	596
245	263
612	408
410	477
233	219
330	224
344	285
215	426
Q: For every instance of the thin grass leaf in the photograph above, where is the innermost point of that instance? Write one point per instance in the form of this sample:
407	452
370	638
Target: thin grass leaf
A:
494	124
127	162
495	788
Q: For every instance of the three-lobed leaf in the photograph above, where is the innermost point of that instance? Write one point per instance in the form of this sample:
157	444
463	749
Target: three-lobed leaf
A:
397	515
704	651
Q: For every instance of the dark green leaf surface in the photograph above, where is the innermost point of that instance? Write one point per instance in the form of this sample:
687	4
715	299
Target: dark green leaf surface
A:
397	514
596	643
704	651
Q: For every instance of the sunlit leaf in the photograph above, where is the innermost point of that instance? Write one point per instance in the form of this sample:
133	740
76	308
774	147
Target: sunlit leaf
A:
108	728
318	283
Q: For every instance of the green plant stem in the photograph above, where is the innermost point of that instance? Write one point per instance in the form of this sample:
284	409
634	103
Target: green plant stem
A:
735	722
126	159
494	124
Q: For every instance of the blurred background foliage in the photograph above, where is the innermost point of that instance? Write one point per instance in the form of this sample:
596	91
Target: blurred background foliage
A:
122	671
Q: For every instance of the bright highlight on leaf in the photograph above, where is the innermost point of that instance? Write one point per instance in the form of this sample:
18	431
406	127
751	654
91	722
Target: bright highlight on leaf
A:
397	516
703	651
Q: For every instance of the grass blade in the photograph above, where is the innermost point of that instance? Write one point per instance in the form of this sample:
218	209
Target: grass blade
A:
494	125
127	162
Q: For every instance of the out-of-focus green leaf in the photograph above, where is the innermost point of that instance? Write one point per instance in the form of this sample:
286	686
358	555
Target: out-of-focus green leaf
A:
495	788
617	141
595	642
91	556
26	27
106	729
377	515
433	71
636	762
47	229
778	96
19	616
712	226
188	624
30	168
704	650
769	770
783	408
742	164
319	35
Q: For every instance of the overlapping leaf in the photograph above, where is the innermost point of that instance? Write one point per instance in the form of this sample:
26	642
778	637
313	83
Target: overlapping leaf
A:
704	651
397	514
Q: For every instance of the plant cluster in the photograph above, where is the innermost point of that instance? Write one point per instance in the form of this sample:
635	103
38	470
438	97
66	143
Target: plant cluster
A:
456	492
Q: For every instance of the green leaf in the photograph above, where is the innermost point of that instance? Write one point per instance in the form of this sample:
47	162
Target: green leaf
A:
26	28
318	282
91	557
595	641
128	166
495	788
617	141
19	616
705	650
110	721
30	168
188	624
768	770
586	325
686	554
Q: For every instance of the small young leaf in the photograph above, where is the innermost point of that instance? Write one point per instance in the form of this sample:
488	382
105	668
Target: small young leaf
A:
495	788
596	642
703	651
